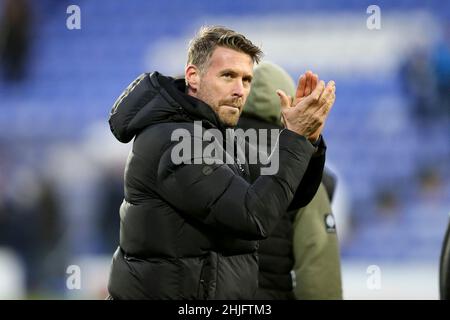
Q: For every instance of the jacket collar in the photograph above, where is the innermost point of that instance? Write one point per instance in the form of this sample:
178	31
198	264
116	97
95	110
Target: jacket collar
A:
174	92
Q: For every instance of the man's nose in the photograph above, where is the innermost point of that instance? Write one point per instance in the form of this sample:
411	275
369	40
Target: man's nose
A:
238	89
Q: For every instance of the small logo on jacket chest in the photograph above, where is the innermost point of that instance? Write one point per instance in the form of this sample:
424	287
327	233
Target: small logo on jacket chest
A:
330	223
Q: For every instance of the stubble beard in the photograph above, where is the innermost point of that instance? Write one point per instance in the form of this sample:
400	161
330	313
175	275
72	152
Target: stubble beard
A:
227	117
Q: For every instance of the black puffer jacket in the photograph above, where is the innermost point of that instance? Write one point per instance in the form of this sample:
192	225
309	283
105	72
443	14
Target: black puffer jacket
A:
188	231
276	258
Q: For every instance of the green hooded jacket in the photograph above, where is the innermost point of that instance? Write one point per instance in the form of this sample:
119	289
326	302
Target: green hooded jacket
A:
316	267
263	103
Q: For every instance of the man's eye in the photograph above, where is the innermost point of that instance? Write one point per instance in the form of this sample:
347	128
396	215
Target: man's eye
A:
227	75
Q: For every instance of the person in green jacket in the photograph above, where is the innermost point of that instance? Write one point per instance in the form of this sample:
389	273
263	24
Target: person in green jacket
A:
300	259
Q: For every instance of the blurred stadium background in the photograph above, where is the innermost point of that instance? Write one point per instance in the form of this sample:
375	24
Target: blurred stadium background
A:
388	135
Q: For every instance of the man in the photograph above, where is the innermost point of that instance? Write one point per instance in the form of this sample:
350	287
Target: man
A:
444	267
15	27
189	229
300	259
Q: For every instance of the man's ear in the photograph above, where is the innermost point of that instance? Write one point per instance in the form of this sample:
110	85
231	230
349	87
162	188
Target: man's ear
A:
192	76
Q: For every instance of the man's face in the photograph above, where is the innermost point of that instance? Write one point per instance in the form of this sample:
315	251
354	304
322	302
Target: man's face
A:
225	84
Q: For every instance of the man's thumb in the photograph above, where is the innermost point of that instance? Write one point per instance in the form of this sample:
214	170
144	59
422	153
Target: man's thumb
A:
284	99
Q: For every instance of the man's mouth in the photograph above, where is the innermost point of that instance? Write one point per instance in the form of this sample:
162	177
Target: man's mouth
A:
232	106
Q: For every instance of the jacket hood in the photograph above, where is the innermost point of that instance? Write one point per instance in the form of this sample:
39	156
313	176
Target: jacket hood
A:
263	102
151	99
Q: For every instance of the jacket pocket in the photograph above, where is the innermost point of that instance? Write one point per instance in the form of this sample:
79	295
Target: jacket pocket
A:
202	288
208	274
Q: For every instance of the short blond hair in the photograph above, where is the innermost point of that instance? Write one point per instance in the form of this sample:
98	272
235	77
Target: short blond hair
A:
209	38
